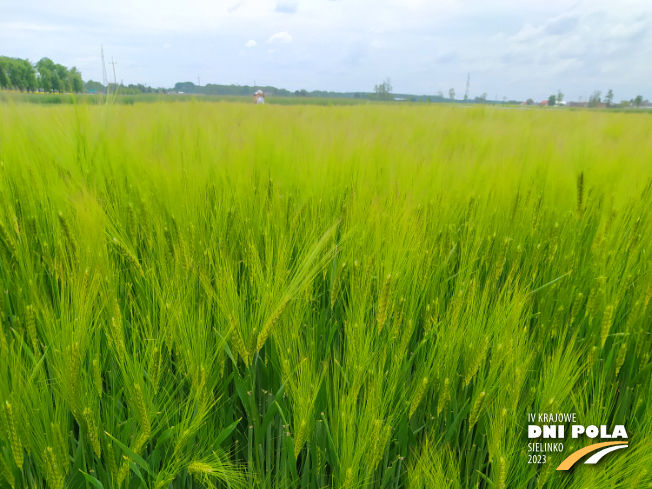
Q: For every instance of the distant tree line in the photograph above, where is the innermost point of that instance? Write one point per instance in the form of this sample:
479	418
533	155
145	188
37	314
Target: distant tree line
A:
45	75
248	90
213	89
595	100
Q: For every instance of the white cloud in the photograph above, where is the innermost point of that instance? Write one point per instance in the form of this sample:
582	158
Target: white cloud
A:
558	26
280	37
234	7
29	26
250	43
286	7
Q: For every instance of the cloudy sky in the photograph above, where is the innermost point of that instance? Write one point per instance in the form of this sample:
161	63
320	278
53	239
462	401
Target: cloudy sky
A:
512	48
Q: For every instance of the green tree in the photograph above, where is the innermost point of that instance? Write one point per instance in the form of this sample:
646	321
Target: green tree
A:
552	101
45	80
63	75
384	90
76	82
451	94
21	74
18	74
638	100
94	86
594	99
30	75
560	96
6	71
47	77
4	79
609	98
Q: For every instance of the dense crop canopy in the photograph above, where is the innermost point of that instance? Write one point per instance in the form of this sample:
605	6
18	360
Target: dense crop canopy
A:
224	295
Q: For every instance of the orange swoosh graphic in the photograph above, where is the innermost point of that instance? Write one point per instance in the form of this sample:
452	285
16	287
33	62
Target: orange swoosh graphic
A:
575	456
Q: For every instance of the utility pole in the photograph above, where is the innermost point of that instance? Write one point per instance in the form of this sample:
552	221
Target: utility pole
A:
115	80
105	80
468	82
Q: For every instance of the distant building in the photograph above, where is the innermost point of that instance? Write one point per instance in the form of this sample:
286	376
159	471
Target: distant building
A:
544	103
577	104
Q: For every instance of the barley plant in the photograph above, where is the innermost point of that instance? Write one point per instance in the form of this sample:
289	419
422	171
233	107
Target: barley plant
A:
214	295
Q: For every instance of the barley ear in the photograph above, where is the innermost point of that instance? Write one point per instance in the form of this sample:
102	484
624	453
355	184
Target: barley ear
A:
155	368
30	323
91	429
648	295
52	469
8	247
622	353
502	477
443	396
70	238
109	455
14	439
200	469
477	409
418	396
61	447
97	375
301	437
123	472
181	442
606	324
269	325
141	409
5	471
381	317
237	341
129	256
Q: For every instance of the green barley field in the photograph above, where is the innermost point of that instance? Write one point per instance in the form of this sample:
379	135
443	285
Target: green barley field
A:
228	295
